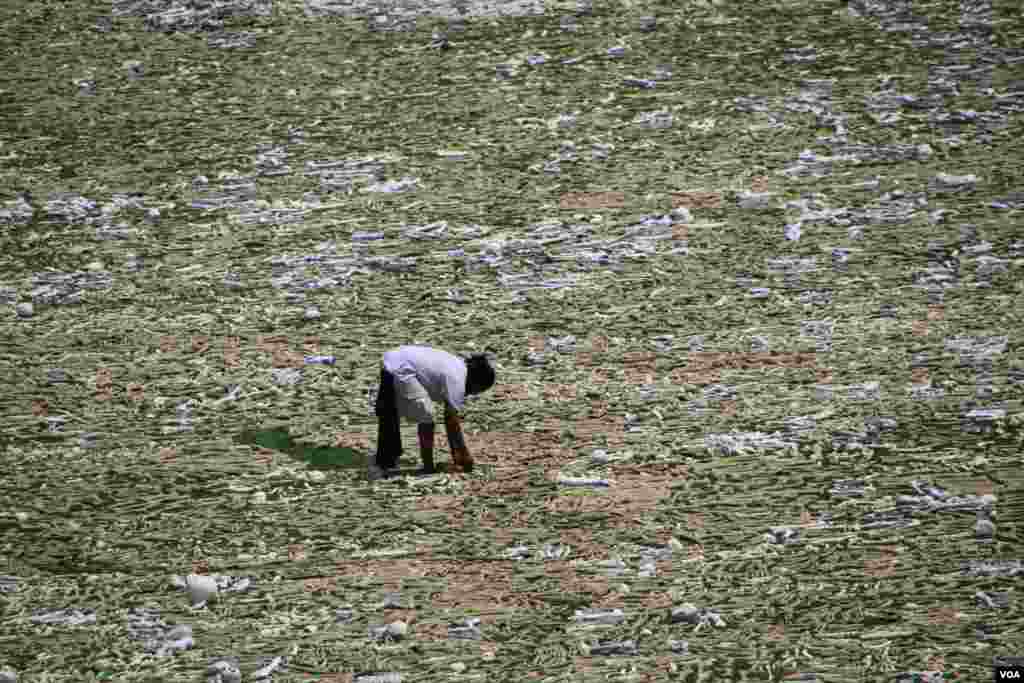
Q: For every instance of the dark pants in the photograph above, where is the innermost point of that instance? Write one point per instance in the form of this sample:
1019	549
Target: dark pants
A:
389	438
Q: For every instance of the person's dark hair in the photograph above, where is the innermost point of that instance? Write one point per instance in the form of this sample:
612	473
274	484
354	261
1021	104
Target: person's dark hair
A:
479	375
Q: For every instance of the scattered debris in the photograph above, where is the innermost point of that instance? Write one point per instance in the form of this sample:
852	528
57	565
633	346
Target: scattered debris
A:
993	568
467	629
609	648
64	617
158	637
223	671
782	535
583	482
851	488
599	617
700	617
268	669
393	632
992	600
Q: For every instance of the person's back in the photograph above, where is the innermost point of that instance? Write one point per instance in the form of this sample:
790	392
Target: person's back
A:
442	374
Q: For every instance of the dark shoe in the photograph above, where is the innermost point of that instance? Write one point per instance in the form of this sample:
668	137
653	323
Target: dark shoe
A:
386	463
375	473
427	457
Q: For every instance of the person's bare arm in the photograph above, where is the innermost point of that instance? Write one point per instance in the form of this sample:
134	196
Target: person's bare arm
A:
456	440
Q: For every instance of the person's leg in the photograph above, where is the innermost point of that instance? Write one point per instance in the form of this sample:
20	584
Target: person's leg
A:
389	436
414	404
425	431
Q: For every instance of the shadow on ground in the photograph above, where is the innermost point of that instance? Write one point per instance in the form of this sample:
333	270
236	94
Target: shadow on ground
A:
320	457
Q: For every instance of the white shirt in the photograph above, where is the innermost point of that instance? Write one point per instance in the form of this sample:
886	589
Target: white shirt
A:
442	374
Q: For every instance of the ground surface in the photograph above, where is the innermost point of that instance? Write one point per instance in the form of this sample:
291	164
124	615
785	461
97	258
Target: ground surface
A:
758	268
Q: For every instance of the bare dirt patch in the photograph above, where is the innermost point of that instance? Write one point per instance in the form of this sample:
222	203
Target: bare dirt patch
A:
944	616
537	343
633	493
357	440
596	589
452	507
135	392
336	678
389	573
500	534
510	392
883	564
286	358
320	584
752	360
639	359
269	343
695	520
697	199
439	502
232	350
508	484
558	392
582	543
483	586
104	385
510	452
657	600
695	377
432	631
663	668
707	367
984	487
639	367
281	355
599	425
200	344
588	665
264	456
592	200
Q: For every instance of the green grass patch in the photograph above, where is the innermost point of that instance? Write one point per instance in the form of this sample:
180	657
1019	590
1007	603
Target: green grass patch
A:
320	457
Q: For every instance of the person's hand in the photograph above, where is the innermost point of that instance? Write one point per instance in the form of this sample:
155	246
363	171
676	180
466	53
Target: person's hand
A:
462	459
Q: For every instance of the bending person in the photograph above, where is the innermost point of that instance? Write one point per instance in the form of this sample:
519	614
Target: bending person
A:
411	379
